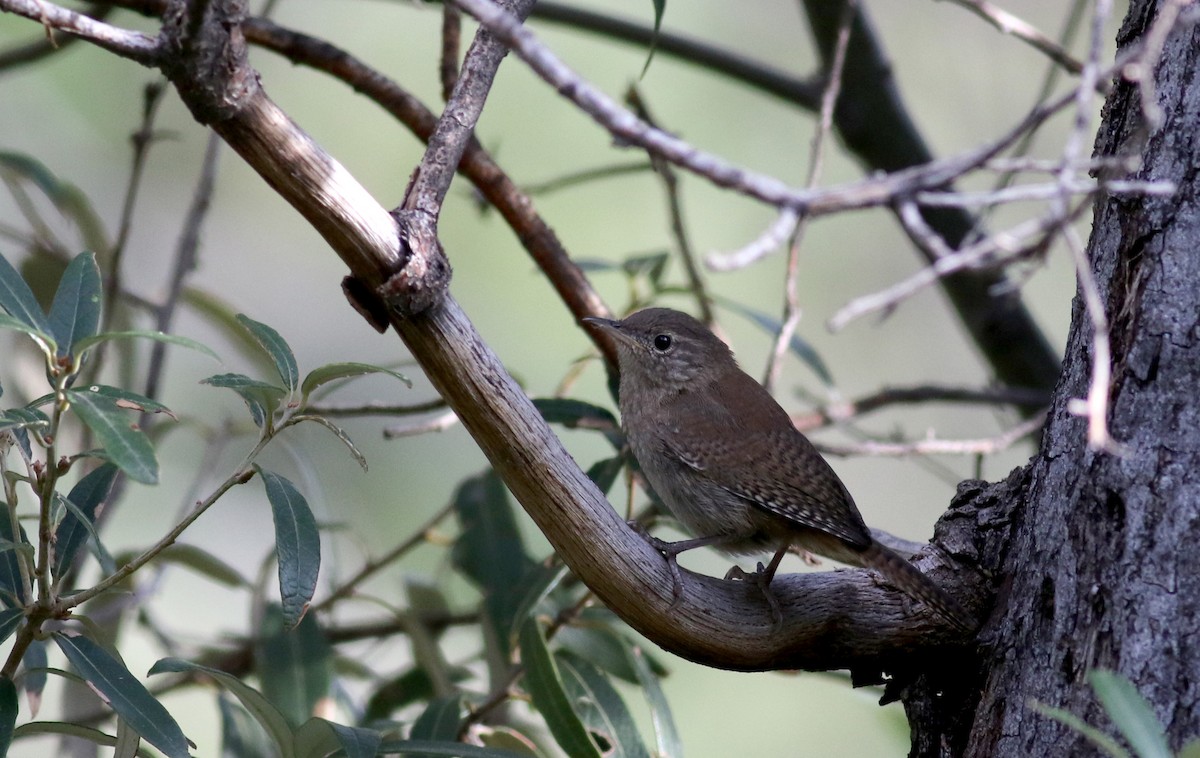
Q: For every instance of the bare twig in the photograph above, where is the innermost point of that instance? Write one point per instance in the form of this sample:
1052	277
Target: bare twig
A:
889	396
1022	30
136	46
439	423
933	446
451	39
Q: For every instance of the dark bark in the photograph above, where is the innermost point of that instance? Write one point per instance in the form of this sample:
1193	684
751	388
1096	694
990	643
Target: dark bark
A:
1100	570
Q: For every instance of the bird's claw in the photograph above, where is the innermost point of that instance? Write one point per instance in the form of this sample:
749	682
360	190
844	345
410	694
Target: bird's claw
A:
664	549
760	578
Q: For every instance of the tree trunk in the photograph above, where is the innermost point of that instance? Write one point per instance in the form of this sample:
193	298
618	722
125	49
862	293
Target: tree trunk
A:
1095	554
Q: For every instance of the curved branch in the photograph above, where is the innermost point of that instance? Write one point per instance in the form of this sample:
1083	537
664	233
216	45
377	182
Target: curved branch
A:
128	44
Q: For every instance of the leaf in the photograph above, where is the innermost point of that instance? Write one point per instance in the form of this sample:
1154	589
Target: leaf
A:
659	7
124	444
489	551
260	397
75	312
45	341
546	687
1131	713
601	707
125	400
334	371
34	679
339	433
440	720
668	743
127	697
170	339
276	347
87	496
22	418
295	666
10	619
604	472
17	299
413	748
9	709
272	721
128	740
356	741
601	647
1097	737
414	685
68	199
202	562
803	350
82	520
12	586
241	735
297	545
535	587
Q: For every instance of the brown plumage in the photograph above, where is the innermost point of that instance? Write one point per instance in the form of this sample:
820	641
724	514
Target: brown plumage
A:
727	462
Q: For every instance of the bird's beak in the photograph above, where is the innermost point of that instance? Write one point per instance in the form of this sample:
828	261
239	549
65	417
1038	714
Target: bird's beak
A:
609	326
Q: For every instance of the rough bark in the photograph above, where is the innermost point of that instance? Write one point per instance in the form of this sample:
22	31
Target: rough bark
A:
1100	570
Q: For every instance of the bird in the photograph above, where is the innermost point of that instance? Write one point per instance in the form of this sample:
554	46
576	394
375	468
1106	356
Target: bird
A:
727	462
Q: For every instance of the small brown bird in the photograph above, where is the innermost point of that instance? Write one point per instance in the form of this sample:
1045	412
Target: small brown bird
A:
726	460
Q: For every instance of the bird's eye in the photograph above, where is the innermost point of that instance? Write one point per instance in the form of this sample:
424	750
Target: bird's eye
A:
662	343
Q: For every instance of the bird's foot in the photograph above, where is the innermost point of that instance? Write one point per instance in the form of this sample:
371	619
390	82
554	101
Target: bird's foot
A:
669	552
762	578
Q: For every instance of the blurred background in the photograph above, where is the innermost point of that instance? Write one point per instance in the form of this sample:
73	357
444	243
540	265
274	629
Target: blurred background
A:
964	83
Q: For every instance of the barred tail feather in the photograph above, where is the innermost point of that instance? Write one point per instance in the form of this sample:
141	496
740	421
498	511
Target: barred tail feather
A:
912	582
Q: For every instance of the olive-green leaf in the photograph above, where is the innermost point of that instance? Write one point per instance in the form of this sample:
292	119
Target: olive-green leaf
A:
415	748
70	201
10	619
668	743
19	301
8	713
12	586
297	545
34	662
295	666
20	418
333	371
124	444
75	312
1131	713
550	697
87	496
124	694
1097	737
45	341
272	721
262	398
601	707
803	350
318	738
276	347
170	339
241	735
440	720
127	400
202	562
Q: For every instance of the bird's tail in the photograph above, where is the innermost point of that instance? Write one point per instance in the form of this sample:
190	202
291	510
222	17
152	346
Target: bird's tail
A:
912	582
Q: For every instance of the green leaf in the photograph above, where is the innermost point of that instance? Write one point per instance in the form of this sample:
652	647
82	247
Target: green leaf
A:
803	350
546	687
241	735
601	647
75	312
12	587
125	400
44	340
601	708
34	663
271	719
276	347
339	433
21	418
202	562
1131	713
170	339
668	743
414	685
107	564
604	472
294	666
17	299
659	7
1097	737
87	496
575	414
262	398
334	371
297	545
128	740
124	444
68	199
9	709
535	587
440	720
413	748
356	741
10	619
489	550
318	738
127	697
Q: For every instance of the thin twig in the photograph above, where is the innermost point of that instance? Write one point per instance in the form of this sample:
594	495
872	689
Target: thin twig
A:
840	413
136	46
377	409
439	423
933	446
451	40
1022	30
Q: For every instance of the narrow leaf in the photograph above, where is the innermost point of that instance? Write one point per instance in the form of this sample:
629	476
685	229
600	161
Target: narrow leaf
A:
262	398
22	418
124	444
276	347
34	663
297	546
75	312
202	562
127	697
241	735
170	339
68	199
9	709
123	399
19	301
802	349
440	720
659	7
668	743
546	687
601	707
1131	713
12	586
318	738
414	748
44	340
10	619
339	433
128	740
295	666
38	728
1097	737
87	496
334	371
272	721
